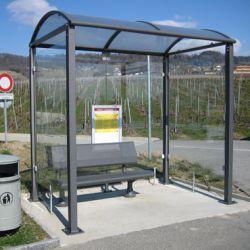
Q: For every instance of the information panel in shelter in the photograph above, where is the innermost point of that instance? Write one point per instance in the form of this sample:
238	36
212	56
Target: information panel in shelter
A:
106	123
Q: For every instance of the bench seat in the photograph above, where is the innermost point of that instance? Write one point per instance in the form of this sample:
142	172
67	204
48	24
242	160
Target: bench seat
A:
98	155
111	178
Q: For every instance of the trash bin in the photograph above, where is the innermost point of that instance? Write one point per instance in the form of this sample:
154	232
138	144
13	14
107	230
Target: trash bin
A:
10	196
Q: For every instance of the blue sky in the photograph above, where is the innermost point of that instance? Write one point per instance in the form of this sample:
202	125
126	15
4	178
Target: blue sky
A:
18	17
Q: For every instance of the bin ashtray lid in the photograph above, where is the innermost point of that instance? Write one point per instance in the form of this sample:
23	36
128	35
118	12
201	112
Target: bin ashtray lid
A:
8	159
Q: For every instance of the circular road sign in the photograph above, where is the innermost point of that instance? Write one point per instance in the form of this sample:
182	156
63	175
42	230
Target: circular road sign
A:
6	82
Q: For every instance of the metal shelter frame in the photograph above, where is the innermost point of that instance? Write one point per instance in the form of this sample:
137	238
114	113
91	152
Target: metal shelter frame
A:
173	35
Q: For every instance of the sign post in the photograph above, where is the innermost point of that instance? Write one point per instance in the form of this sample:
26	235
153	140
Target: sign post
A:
5	122
6	98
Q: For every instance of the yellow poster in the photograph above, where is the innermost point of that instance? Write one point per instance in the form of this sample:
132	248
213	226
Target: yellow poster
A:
106	123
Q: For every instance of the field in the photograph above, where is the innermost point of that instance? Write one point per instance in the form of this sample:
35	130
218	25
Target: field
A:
196	104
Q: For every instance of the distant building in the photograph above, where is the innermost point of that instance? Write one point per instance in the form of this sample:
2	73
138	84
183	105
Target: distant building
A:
218	68
210	72
214	70
242	70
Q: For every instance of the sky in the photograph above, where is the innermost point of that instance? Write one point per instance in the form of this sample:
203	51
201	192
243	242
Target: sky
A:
18	18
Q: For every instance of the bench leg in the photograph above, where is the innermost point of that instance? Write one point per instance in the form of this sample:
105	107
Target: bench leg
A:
105	188
62	199
130	191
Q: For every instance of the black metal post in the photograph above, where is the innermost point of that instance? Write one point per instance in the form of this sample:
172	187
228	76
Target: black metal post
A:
33	196
165	104
229	96
71	130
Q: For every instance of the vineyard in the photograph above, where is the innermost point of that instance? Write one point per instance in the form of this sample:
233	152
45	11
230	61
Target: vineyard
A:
196	104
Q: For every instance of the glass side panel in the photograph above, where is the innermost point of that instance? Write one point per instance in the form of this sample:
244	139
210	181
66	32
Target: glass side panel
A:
145	89
197	92
241	156
120	79
52	22
141	42
51	126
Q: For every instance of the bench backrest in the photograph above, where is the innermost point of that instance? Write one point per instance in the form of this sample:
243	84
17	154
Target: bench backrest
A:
90	155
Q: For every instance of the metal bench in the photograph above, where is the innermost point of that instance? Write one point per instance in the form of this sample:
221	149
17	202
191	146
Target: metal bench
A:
98	155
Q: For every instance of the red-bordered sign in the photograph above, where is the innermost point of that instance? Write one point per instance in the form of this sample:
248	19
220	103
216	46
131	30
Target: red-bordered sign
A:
6	82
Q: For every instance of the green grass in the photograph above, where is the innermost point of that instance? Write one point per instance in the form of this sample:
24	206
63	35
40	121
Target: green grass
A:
243	132
195	133
29	232
184	169
6	151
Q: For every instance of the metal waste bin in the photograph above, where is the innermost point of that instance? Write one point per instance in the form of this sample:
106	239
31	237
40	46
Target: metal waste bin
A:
10	195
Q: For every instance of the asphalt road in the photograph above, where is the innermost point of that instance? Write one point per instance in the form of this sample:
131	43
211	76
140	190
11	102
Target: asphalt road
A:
225	232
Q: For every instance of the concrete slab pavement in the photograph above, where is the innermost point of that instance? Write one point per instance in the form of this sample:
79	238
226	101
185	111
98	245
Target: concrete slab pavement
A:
110	214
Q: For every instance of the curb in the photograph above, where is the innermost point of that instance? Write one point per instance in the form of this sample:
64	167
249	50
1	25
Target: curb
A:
45	244
27	209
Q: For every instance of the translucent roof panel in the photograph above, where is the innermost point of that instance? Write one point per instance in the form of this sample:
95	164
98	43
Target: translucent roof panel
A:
58	40
141	42
108	22
193	33
144	27
185	44
119	35
92	37
51	23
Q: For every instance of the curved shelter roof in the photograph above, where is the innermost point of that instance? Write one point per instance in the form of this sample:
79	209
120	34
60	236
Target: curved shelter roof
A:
103	34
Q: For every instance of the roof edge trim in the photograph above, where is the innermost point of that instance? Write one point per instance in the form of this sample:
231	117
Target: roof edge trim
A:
150	24
222	34
44	18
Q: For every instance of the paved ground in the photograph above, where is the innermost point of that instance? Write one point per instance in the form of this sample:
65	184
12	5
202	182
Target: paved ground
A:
224	232
110	214
208	153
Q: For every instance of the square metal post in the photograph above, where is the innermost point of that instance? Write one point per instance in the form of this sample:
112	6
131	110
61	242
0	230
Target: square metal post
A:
149	108
229	96
165	104
71	130
32	52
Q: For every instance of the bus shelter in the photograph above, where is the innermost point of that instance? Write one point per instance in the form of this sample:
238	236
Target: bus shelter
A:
73	33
